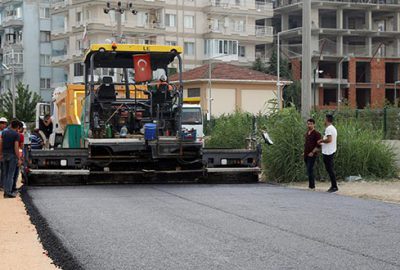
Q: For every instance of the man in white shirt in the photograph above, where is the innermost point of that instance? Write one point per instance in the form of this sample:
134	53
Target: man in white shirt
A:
329	146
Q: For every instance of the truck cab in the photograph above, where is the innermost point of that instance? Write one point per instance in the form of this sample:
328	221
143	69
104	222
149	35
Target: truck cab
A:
192	119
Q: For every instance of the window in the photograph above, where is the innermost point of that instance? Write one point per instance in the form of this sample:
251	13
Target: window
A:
79	45
170	20
78	69
194	92
191	116
238	26
44	83
171	43
189	48
79	17
330	96
242	51
144	41
44	13
142	18
45	59
44	36
188	22
215	47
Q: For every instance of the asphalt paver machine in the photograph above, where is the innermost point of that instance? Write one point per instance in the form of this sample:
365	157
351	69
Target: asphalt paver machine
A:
123	125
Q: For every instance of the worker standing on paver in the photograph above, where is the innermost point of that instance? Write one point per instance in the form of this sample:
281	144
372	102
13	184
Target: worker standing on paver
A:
329	146
311	150
9	152
3	126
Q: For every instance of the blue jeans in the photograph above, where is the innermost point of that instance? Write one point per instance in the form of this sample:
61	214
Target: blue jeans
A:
310	170
15	179
1	174
10	162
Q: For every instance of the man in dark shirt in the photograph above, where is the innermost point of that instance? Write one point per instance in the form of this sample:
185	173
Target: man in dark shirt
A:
3	126
46	126
9	154
311	149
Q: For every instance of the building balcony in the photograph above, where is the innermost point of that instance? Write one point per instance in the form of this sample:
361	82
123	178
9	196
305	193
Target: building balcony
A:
149	4
12	21
264	31
331	81
10	47
59	57
59	4
18	69
261	9
9	2
374	4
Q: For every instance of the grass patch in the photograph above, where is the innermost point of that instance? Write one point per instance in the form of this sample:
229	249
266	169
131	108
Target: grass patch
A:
360	147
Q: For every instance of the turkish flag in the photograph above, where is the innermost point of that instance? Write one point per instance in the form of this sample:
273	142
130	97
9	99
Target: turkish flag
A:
142	66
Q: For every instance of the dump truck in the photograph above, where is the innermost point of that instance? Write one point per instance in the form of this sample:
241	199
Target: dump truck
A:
127	128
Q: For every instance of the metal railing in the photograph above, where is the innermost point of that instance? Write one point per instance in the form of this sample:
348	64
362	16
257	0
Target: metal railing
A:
264	31
10	18
244	4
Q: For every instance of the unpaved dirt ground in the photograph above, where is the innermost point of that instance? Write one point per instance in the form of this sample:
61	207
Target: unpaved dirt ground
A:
20	248
388	191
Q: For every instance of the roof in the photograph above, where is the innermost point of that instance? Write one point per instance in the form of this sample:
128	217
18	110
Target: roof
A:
224	71
134	48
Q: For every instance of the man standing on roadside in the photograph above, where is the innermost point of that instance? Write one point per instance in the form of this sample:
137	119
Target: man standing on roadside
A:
3	126
311	149
329	146
9	152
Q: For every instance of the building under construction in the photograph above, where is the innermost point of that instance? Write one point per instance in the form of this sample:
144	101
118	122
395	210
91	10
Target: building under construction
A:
355	47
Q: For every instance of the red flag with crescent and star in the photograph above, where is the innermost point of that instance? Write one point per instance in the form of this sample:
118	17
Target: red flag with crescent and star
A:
142	66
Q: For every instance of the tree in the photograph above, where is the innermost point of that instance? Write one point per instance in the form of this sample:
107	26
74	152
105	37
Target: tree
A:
259	65
284	66
292	95
25	103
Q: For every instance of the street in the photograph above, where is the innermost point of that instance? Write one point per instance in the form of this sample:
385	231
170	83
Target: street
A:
255	226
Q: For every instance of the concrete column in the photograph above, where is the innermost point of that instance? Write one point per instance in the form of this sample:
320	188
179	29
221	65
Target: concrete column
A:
339	45
339	73
368	20
285	22
306	63
397	46
396	21
339	18
314	18
368	42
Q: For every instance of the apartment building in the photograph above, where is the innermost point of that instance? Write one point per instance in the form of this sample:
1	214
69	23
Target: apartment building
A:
355	49
228	30
25	45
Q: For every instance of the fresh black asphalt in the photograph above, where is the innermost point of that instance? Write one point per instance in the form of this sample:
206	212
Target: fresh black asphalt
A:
213	227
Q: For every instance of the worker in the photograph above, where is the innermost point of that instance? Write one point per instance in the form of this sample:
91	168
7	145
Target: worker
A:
9	152
3	125
46	128
20	156
36	139
162	84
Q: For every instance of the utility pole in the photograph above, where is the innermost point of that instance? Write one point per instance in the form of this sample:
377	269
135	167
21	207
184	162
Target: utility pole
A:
278	71
119	10
13	83
306	63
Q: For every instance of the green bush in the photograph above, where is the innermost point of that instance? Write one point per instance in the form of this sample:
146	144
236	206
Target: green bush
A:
230	131
360	149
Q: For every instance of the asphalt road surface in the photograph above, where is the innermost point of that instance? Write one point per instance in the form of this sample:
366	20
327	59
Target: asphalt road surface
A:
219	227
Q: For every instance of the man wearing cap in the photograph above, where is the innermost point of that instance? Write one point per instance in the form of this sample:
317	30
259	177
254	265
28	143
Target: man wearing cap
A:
3	125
